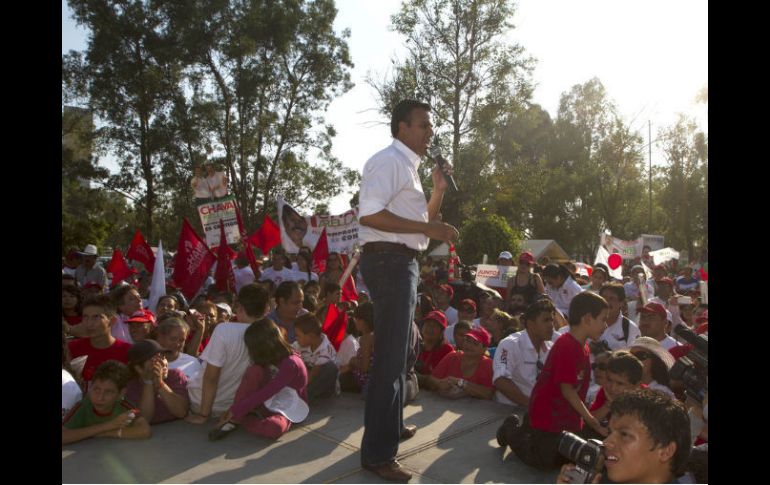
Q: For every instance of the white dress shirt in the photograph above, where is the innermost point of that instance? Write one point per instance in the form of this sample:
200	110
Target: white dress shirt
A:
563	296
390	181
613	335
516	359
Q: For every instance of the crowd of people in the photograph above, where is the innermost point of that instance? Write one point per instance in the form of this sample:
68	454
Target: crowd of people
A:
562	351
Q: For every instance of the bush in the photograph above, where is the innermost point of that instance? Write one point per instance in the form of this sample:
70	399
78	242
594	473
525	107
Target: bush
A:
489	235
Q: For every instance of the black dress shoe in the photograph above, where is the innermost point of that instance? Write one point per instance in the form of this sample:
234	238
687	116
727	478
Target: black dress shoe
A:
392	471
408	431
222	431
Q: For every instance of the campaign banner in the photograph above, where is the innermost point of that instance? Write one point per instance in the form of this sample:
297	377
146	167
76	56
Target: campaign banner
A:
655	242
298	230
211	212
494	276
662	255
631	249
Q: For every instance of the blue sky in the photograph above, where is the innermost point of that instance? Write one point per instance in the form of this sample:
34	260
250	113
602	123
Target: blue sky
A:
651	56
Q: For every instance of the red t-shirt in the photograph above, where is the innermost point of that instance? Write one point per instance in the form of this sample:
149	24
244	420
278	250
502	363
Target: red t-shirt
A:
431	358
450	366
73	320
568	363
82	346
601	398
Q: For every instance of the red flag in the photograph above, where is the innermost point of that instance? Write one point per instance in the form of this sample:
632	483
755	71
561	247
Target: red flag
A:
193	261
704	275
335	325
140	251
349	291
321	253
267	236
224	277
119	268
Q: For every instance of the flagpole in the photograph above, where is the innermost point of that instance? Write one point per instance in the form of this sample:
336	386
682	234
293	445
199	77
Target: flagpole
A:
349	270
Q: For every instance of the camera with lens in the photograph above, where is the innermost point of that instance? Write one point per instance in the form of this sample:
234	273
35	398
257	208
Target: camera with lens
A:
692	369
588	456
598	347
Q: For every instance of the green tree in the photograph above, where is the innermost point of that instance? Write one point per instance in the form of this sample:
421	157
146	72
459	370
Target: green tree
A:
458	61
486	235
685	190
128	74
270	68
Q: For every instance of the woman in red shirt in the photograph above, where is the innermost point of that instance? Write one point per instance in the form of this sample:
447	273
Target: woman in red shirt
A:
434	344
466	373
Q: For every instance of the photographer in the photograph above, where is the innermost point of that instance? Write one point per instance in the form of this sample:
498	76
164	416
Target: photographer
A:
649	440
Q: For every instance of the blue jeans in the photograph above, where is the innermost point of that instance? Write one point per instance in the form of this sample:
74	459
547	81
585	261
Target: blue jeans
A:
392	282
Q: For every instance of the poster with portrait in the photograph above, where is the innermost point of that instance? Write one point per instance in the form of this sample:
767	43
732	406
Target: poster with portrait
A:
298	230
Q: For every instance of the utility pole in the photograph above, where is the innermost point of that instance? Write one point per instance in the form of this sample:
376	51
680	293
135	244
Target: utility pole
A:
649	139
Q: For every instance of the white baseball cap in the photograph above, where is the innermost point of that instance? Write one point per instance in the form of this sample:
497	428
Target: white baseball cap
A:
90	250
287	402
505	255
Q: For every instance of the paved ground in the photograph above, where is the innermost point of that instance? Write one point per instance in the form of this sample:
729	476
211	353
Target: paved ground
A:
455	443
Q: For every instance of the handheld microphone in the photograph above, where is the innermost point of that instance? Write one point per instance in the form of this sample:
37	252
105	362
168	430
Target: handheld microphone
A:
434	153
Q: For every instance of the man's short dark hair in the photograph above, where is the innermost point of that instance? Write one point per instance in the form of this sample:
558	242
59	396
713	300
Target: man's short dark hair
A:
113	371
403	112
331	288
614	287
583	304
104	301
254	299
665	419
308	323
285	290
534	310
625	363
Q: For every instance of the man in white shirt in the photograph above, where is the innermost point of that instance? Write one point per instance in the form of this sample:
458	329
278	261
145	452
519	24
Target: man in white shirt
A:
520	356
396	223
225	358
621	331
242	272
278	272
652	323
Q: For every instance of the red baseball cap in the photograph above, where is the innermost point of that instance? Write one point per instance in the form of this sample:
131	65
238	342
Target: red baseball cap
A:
480	335
437	316
142	316
447	289
653	307
469	303
526	257
666	281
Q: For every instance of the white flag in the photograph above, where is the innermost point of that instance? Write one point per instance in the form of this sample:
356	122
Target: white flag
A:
158	285
602	256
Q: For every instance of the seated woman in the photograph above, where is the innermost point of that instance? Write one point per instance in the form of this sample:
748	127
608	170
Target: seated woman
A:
268	350
72	311
499	325
160	392
434	345
466	373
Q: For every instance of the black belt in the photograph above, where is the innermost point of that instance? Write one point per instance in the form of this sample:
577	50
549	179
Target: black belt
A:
389	247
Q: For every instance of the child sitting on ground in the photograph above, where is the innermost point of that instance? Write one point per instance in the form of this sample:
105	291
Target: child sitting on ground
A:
319	356
355	376
105	413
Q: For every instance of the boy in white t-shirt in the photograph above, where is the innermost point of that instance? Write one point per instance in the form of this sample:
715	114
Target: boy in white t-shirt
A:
319	356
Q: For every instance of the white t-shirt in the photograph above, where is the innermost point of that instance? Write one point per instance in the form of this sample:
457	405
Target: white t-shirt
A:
323	354
451	316
516	359
217	183
302	276
243	276
559	333
119	329
70	393
227	350
277	277
668	342
187	364
348	350
563	296
613	335
390	181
